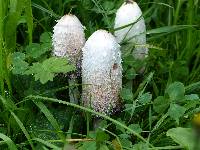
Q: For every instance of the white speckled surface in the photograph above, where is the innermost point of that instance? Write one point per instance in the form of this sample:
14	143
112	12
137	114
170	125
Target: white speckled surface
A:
101	72
68	38
129	13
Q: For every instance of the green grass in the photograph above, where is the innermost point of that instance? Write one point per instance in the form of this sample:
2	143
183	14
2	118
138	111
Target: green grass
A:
158	106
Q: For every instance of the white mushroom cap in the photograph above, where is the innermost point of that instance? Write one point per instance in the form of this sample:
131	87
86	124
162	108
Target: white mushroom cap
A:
101	72
68	38
129	13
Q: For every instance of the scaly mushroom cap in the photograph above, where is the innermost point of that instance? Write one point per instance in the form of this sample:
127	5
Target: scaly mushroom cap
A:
127	14
69	39
101	72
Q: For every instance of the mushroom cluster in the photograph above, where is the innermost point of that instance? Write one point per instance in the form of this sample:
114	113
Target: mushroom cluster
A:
100	55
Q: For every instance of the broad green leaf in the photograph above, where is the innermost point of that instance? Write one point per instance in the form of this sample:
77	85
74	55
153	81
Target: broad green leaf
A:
176	91
176	111
160	104
183	136
47	70
9	142
135	127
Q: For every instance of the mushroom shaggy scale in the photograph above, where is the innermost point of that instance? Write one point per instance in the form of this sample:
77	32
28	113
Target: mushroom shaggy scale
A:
101	73
69	39
131	28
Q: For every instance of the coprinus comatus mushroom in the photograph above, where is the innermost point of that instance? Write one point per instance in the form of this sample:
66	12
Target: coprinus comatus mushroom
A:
69	39
130	28
101	72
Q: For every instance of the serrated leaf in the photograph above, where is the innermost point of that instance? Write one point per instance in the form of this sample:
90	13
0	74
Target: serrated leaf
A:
47	70
18	56
160	104
135	127
88	145
176	111
46	37
35	50
126	94
140	146
183	136
124	136
126	143
192	97
145	98
130	108
176	91
19	66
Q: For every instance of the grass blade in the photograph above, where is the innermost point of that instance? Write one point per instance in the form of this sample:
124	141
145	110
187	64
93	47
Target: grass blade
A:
46	143
29	19
51	13
169	29
90	111
50	117
9	142
23	129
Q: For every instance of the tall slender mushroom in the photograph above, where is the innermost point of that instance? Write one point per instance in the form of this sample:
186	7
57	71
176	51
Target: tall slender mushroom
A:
130	27
101	72
68	40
